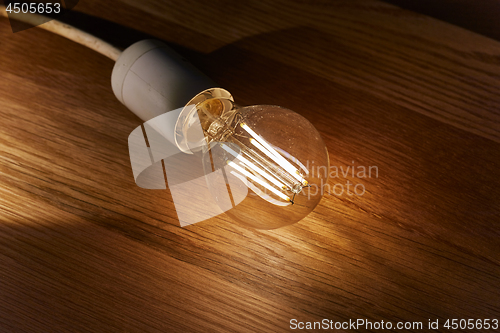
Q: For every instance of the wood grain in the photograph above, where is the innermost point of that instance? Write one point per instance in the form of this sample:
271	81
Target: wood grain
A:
477	16
83	249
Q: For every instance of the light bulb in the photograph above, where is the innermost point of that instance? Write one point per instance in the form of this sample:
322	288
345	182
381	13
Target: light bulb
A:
273	161
265	166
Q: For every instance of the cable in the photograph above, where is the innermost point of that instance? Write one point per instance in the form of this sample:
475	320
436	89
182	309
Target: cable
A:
67	31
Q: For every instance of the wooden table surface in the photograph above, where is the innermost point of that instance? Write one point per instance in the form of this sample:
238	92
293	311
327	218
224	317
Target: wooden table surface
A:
83	249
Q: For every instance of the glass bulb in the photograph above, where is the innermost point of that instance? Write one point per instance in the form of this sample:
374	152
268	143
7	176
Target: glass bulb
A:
273	161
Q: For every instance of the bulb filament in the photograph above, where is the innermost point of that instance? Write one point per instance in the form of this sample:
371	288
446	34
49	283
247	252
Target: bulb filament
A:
276	177
264	147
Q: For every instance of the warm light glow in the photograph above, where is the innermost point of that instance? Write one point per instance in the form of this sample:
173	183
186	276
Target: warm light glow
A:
252	166
263	146
292	158
291	170
260	193
264	184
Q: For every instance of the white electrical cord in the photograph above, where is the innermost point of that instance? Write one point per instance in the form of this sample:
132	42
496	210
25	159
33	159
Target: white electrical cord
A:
67	31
